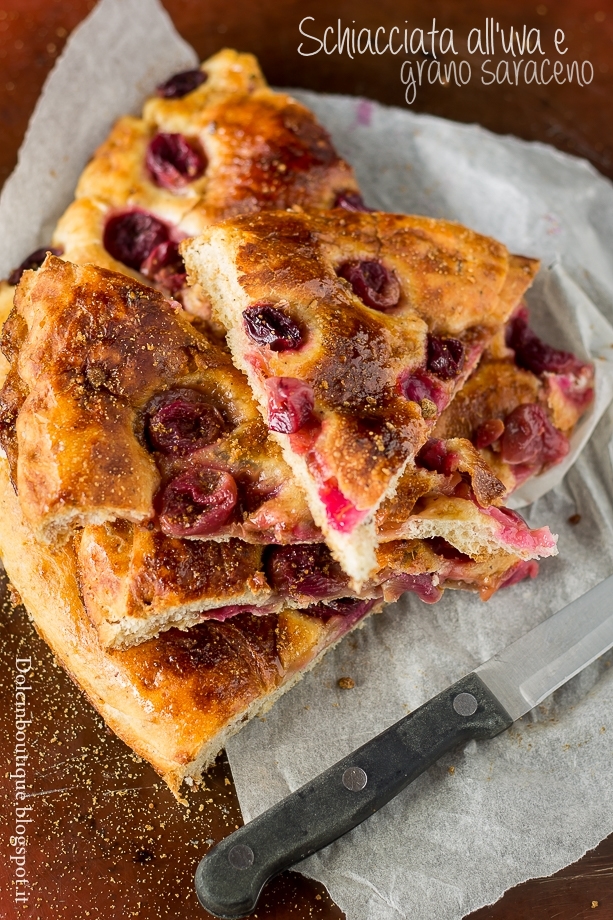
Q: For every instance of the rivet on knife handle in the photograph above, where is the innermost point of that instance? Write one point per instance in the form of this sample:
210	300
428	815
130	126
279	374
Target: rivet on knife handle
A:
231	876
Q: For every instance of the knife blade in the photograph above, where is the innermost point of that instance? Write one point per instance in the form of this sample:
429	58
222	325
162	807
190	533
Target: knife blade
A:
230	878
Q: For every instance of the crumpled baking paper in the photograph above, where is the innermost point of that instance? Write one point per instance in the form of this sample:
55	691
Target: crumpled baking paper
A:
534	799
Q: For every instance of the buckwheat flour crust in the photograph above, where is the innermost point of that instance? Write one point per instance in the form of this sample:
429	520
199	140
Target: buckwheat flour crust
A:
174	700
230	145
377	320
93	354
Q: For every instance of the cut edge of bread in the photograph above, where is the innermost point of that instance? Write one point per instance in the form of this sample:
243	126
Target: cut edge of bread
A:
56	528
128	631
356	551
474	532
46	582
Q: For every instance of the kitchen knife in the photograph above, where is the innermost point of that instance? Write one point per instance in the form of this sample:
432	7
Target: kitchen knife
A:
230	877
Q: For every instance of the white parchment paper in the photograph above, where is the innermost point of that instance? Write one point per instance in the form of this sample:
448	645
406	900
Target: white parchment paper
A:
534	799
111	62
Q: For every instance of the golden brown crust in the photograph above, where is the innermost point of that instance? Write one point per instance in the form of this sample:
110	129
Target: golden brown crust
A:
521	274
486	488
452	277
137	583
174	700
99	347
416	482
453	284
12	398
88	352
492	391
116	177
266	153
77	453
261	150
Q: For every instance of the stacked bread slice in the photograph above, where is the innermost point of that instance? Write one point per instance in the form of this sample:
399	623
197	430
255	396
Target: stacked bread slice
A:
355	331
191	527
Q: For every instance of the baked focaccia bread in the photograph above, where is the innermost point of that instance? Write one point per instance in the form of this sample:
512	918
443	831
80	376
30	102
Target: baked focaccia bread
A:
215	143
117	408
120	418
355	331
521	404
133	439
137	581
174	700
212	143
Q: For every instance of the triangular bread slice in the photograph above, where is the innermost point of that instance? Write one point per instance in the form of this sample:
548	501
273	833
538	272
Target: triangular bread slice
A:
137	583
355	331
451	494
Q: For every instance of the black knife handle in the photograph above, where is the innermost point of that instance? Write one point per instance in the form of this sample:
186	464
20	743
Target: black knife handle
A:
231	876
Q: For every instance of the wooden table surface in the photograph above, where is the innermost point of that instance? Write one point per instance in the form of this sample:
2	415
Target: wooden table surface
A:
107	831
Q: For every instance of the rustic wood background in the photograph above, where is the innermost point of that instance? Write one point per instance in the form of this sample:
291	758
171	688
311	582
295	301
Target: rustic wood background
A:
109	840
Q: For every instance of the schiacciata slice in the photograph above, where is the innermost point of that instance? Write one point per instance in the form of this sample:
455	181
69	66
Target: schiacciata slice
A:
209	143
444	528
355	331
137	583
174	700
116	407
